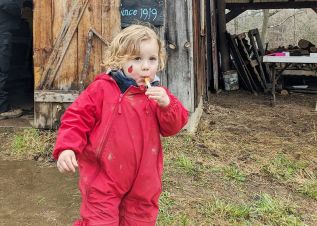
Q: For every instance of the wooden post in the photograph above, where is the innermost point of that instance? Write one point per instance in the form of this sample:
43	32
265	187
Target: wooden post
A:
179	35
223	43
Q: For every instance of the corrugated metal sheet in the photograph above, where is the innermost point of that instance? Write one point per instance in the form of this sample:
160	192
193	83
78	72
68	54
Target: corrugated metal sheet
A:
257	1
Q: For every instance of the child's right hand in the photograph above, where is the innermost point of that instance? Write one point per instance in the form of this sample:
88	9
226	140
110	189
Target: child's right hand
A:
67	161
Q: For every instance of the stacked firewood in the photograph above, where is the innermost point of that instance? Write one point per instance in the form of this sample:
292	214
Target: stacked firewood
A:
304	48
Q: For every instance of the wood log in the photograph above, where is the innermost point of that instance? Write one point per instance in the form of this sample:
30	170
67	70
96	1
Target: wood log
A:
305	44
299	52
313	49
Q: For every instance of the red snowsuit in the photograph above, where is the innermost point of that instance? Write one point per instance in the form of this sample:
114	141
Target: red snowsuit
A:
116	138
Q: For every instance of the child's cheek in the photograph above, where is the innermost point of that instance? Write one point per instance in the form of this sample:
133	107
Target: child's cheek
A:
130	69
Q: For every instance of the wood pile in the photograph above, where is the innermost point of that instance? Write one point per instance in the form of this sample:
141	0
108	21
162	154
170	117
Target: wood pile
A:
304	48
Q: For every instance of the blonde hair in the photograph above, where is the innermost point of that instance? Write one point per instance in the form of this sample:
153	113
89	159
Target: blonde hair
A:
126	46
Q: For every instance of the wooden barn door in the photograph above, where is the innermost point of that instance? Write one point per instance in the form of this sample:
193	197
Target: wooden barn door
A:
61	66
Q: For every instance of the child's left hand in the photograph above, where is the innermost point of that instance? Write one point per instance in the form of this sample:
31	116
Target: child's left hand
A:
159	95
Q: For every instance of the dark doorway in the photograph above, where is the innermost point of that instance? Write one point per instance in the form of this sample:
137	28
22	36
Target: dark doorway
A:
20	84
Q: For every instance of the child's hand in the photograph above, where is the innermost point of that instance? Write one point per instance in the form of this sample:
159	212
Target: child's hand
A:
159	95
67	161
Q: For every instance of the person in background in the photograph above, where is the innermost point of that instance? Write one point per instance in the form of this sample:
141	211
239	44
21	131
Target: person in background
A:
10	18
112	132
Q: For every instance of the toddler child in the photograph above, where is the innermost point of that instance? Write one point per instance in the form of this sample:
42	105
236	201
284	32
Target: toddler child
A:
112	133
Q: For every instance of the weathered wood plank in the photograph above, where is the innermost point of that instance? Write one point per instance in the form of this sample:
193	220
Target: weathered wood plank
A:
42	36
199	49
67	75
42	47
58	110
162	74
111	20
91	19
62	43
42	115
179	37
47	115
55	96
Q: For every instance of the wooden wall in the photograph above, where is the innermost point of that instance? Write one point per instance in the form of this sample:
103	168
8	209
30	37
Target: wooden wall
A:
49	15
184	75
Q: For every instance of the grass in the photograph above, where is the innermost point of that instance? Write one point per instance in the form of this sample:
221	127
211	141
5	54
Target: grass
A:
40	200
273	211
309	189
288	170
225	210
283	168
32	142
185	163
233	173
263	210
269	188
167	213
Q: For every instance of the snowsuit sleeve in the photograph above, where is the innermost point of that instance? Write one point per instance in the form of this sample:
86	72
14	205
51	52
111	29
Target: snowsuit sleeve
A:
173	117
78	121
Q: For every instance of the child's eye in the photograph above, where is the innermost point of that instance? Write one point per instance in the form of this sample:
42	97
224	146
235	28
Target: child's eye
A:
137	58
153	58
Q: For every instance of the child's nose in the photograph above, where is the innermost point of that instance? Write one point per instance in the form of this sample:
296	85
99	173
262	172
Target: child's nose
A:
145	65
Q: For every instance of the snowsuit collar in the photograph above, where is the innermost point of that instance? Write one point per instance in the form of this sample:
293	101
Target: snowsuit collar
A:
125	82
122	80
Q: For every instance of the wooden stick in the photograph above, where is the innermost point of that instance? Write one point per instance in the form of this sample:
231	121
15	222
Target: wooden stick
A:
147	82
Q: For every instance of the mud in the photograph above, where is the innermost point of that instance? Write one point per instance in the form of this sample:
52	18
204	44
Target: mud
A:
36	194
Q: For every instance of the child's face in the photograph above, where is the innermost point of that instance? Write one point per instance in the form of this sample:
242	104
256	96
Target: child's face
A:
144	65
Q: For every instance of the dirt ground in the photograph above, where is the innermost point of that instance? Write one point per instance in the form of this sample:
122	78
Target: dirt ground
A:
236	128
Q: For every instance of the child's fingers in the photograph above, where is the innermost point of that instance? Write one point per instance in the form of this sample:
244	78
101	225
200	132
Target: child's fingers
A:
154	93
70	165
60	168
74	161
64	166
154	96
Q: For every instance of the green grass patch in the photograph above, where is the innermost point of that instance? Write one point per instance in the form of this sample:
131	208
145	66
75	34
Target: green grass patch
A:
185	163
165	213
309	189
272	211
168	215
264	210
283	168
233	173
188	166
40	200
229	211
166	144
31	142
